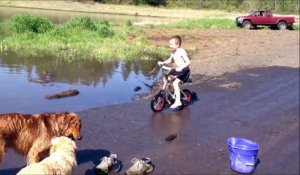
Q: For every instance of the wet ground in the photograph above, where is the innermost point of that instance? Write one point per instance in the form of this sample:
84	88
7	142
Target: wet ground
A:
261	104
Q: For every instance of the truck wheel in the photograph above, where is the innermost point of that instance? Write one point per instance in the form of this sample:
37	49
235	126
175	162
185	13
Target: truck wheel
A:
246	24
282	25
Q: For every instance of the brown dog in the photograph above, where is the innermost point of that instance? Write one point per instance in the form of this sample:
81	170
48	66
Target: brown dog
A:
31	134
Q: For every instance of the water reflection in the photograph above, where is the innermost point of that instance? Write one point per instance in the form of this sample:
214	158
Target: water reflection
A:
77	72
168	123
165	124
99	83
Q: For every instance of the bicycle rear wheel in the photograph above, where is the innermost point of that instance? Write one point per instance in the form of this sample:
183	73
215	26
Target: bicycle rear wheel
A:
186	97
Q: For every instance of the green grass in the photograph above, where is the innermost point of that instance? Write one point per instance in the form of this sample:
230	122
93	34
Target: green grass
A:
84	38
207	23
296	27
78	38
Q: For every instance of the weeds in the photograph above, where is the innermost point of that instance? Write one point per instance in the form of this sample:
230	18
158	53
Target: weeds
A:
78	38
84	38
23	22
204	23
296	27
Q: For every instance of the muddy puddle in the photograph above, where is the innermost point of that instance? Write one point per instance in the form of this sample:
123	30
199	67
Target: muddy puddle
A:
25	83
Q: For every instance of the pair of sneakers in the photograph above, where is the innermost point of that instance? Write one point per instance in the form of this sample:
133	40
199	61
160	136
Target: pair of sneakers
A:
111	163
108	164
140	166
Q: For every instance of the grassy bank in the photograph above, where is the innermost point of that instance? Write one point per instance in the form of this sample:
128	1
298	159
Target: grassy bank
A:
207	23
296	27
84	38
79	38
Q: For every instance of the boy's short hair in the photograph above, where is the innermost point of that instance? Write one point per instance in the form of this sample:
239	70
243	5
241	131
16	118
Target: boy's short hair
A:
177	39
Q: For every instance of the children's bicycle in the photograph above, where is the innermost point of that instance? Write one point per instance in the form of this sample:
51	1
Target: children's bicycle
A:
166	95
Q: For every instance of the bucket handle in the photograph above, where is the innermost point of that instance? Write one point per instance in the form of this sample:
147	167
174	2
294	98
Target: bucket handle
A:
247	164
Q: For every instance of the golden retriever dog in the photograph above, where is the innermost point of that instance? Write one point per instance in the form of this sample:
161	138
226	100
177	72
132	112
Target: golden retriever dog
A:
62	159
31	134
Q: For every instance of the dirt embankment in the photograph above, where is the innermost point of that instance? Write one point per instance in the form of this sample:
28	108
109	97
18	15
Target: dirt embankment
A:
216	51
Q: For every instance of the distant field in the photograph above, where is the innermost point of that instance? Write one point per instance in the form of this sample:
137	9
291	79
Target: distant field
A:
127	9
122	9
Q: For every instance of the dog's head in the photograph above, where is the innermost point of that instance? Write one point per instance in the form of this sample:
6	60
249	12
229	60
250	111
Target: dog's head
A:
62	143
70	125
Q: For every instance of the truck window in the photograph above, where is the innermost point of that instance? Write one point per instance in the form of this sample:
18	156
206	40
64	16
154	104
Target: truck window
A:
260	13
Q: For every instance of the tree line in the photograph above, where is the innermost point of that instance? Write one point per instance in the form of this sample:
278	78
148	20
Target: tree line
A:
278	6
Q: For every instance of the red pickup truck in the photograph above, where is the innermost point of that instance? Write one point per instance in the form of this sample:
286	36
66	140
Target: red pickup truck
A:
265	18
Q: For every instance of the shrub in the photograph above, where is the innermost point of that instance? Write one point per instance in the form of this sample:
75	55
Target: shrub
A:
103	28
59	34
128	23
82	22
296	27
138	2
24	22
156	2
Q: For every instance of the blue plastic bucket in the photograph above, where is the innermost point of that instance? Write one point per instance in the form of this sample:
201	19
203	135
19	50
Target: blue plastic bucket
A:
243	154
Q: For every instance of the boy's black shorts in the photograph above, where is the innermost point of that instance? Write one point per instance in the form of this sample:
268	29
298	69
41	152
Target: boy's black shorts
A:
183	75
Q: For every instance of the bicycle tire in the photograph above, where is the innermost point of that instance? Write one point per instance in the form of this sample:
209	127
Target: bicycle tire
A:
158	103
186	97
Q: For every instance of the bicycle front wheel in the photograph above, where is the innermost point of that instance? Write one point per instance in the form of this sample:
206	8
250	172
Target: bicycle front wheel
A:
158	103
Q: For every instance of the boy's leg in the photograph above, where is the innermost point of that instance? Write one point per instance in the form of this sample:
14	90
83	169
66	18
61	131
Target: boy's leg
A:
177	102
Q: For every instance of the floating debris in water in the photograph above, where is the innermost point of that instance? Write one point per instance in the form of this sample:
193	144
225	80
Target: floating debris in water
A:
48	73
68	93
137	88
147	85
171	137
37	80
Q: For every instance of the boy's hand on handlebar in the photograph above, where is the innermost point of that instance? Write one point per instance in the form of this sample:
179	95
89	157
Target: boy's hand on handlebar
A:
166	68
160	63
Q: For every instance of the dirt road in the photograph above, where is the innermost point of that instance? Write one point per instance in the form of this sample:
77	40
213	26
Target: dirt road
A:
253	93
261	104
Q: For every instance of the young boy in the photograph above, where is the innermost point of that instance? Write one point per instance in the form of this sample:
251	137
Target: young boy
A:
182	62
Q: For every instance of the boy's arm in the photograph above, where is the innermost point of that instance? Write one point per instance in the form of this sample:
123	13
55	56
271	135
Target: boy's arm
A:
186	61
168	61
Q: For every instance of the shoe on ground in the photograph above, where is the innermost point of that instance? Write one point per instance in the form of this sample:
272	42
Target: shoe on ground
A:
176	105
140	166
106	164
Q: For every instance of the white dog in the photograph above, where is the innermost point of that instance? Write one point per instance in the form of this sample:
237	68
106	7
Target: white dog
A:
62	159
